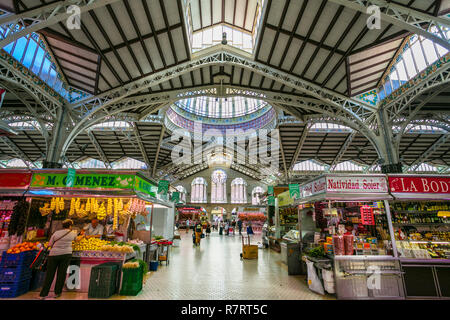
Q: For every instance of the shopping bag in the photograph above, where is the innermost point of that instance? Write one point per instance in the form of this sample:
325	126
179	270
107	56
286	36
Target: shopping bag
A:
314	282
40	262
203	235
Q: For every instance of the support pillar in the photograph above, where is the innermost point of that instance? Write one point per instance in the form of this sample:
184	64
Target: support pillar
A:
59	135
387	149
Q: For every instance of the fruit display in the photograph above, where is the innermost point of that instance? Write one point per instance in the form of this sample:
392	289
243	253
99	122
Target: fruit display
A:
22	247
130	265
18	218
117	248
88	244
257	216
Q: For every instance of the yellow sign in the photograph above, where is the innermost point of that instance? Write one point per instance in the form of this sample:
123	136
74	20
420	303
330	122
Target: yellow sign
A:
443	214
284	199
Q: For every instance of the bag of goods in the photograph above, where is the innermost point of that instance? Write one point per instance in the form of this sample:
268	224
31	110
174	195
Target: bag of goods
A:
338	245
348	244
314	282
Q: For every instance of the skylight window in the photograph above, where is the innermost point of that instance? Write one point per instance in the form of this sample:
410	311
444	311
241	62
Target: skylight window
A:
424	167
329	127
347	166
418	54
308	165
213	35
89	163
128	163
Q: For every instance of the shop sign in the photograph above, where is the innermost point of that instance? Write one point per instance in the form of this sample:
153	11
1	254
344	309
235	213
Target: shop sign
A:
11	180
106	181
163	187
284	199
271	200
70	177
355	184
294	191
270	190
419	184
313	188
145	186
175	197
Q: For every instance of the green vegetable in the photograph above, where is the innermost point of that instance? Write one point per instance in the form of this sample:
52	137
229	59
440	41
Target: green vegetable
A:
317	252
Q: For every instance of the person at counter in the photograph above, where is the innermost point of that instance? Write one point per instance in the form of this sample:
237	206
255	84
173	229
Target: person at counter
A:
94	229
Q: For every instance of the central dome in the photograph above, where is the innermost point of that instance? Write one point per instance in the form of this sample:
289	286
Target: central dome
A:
220	114
212	107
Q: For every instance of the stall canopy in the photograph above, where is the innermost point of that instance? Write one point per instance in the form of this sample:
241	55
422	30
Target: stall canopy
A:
91	183
346	187
419	187
14	182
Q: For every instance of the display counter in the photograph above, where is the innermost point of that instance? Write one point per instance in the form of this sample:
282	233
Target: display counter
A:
421	219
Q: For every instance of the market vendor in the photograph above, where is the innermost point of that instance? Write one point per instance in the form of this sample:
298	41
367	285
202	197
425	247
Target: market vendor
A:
349	228
94	229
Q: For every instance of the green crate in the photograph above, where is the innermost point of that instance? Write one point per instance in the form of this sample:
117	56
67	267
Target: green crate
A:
104	280
132	281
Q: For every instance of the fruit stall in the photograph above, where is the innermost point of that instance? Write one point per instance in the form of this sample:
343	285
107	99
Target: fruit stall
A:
257	219
421	220
115	198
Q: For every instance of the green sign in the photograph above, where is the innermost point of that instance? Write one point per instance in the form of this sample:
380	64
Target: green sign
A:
271	200
145	186
70	177
163	187
284	199
106	181
294	191
270	190
175	197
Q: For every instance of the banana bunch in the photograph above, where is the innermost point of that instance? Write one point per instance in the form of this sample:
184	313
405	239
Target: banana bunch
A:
45	210
109	208
101	212
88	205
72	207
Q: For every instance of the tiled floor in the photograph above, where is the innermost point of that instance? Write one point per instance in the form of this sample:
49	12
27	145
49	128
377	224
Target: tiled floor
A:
214	271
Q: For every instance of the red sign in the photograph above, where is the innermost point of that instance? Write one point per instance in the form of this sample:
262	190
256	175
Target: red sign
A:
11	180
419	184
367	216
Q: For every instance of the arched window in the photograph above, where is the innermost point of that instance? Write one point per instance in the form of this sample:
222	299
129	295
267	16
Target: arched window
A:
182	192
198	190
218	187
238	191
256	195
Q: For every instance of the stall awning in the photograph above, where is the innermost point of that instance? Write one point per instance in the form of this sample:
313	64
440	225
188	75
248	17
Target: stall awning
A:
14	182
91	183
343	187
419	187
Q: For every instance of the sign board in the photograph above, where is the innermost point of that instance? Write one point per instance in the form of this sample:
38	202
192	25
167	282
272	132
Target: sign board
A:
271	201
10	180
417	184
315	187
145	186
294	191
175	197
70	177
270	190
284	199
163	187
104	181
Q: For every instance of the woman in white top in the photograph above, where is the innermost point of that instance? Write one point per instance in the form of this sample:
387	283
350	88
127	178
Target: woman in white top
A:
59	258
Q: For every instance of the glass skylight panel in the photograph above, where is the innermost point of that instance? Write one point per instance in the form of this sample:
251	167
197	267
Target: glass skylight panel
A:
19	48
418	55
430	51
409	62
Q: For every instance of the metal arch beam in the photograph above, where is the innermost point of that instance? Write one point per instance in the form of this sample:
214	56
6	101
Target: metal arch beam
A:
300	145
406	18
429	152
141	145
163	130
17	151
99	149
342	150
20	25
223	54
8	74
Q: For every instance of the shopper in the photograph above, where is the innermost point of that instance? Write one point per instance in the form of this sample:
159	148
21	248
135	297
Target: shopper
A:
227	228
239	224
208	229
187	225
221	226
249	229
198	233
59	258
233	225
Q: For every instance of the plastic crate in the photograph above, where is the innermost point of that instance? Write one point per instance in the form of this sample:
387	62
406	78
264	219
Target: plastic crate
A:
37	280
18	259
12	290
15	274
104	280
132	281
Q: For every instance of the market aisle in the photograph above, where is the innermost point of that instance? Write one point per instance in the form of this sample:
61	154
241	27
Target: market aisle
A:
215	271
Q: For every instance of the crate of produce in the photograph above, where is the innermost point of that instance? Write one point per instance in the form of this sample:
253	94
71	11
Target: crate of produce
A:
18	259
37	280
132	281
14	289
15	274
104	280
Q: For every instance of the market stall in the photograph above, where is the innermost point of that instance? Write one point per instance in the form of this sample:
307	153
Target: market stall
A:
191	213
352	214
421	220
253	215
115	198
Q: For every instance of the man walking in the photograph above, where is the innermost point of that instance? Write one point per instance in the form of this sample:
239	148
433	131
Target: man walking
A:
239	223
